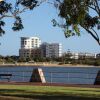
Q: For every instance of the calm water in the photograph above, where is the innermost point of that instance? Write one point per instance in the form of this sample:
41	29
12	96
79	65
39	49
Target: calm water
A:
70	75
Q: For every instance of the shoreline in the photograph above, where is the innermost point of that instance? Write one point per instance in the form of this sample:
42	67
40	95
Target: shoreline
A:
45	65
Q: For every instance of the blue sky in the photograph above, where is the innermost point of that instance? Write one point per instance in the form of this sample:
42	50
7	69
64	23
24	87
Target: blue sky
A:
38	23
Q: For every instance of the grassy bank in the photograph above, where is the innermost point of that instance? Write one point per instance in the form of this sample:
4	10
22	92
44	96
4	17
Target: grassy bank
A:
25	92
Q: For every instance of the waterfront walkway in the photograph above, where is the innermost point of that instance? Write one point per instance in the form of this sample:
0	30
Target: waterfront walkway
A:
50	84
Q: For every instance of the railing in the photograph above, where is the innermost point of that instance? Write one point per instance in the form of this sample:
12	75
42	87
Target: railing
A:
70	76
55	77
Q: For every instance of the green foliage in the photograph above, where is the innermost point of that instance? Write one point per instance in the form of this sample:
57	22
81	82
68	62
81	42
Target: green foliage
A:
5	7
77	15
17	24
2	23
14	9
8	59
22	60
29	3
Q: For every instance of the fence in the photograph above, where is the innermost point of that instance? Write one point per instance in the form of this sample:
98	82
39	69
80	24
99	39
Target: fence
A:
69	77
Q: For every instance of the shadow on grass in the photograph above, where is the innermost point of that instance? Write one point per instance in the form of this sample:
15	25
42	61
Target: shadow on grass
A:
41	95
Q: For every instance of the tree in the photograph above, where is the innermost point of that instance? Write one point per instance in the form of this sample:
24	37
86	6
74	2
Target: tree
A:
13	10
78	14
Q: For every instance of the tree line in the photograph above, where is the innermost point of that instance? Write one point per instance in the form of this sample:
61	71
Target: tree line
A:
60	60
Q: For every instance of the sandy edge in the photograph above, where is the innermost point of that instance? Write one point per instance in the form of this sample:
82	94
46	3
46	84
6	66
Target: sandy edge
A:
46	65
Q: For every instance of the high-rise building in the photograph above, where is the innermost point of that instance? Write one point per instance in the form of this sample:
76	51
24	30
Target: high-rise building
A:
52	50
30	42
30	47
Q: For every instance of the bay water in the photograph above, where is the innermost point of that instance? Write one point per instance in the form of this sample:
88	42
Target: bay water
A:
67	75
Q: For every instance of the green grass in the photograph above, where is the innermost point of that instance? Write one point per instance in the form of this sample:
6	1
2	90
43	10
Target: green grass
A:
48	93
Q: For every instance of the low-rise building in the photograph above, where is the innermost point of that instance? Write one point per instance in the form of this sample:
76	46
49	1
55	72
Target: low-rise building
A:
81	55
86	55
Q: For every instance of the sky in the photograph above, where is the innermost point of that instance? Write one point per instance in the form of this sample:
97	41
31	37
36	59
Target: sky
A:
38	23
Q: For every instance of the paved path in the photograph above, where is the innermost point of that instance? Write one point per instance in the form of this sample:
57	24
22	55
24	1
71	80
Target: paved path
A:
49	84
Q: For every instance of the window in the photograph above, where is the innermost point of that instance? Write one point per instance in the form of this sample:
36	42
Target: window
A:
25	42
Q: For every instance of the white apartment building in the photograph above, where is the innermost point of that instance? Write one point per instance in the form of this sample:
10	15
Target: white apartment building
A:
29	47
30	42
